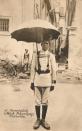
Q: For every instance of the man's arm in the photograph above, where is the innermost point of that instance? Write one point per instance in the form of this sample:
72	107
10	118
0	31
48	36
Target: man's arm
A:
53	68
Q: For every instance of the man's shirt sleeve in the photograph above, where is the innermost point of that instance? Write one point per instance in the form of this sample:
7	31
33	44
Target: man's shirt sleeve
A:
53	66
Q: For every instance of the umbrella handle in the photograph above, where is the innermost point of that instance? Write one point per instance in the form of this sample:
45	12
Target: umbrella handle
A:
37	47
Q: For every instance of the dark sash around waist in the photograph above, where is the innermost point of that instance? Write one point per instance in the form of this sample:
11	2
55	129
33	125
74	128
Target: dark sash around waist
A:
43	71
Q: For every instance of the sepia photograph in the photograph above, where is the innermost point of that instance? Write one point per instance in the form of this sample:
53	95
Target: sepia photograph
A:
40	65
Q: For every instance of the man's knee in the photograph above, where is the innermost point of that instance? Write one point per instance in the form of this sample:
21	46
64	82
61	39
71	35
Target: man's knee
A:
38	103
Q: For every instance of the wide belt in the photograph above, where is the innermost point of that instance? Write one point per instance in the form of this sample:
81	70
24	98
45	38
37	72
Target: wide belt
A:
43	71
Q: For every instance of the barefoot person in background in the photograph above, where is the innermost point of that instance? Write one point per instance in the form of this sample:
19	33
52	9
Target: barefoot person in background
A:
26	60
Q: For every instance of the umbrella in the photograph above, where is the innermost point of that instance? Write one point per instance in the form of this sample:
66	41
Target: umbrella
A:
35	31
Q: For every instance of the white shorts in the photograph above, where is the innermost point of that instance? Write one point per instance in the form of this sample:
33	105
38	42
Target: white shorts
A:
41	95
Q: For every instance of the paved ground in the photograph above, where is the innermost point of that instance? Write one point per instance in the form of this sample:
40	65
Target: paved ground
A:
17	107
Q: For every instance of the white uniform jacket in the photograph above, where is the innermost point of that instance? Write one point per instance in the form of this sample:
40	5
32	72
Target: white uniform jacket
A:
44	79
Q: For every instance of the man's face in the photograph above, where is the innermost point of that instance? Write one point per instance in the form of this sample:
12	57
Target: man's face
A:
45	46
26	51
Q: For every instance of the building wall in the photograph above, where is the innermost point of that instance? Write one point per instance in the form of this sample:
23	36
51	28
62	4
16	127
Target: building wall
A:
75	45
18	11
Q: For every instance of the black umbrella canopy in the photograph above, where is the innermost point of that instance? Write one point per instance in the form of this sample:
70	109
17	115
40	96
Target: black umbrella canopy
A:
36	31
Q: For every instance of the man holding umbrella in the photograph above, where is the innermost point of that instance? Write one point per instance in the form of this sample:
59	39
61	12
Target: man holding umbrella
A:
43	78
43	69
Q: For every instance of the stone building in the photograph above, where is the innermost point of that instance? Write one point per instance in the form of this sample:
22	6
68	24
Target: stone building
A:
12	14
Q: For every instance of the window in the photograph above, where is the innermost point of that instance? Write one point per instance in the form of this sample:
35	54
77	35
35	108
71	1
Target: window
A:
4	24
